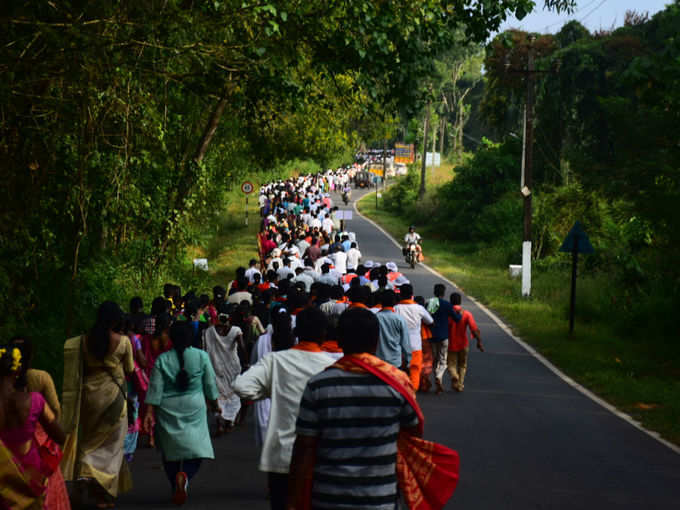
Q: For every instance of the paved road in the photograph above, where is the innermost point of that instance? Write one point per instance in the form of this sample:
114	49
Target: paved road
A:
527	439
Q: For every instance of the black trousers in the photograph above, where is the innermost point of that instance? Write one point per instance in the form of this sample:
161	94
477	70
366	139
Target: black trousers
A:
278	489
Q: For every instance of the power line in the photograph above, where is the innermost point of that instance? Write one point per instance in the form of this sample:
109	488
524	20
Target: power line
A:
596	8
571	16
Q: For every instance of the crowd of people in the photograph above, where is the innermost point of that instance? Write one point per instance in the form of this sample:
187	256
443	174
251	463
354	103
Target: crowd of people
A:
326	347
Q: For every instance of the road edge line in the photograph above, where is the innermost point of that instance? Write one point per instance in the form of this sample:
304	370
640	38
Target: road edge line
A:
542	359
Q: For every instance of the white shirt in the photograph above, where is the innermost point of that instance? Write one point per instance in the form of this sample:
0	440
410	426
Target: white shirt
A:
271	263
306	279
283	272
327	225
411	238
251	272
302	246
315	223
353	256
414	315
237	297
295	262
328	279
292	250
340	262
281	376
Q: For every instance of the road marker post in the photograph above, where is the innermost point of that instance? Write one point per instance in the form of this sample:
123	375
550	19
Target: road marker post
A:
247	188
576	242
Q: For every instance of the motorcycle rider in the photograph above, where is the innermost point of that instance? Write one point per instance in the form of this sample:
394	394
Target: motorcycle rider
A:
413	238
346	193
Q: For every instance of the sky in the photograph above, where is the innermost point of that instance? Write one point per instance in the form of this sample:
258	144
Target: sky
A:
594	14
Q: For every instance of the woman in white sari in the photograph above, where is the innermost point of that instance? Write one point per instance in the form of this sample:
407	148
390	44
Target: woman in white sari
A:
221	342
278	336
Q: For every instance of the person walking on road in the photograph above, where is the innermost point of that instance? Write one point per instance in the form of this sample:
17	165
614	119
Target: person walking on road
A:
282	376
39	381
182	381
346	448
442	311
415	315
394	343
94	407
459	344
221	342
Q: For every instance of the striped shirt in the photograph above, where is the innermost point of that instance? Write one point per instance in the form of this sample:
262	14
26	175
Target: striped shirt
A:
356	418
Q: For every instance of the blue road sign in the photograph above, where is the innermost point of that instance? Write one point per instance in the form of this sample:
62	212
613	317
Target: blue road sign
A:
577	241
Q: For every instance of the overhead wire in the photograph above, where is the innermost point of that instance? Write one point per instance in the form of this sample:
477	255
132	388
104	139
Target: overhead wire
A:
571	16
591	12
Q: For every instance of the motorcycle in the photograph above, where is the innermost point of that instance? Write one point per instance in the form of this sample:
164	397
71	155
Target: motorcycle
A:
345	197
411	255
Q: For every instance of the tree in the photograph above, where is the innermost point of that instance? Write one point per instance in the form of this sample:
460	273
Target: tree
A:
126	120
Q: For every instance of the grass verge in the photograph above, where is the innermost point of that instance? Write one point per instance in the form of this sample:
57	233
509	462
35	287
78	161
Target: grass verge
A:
635	374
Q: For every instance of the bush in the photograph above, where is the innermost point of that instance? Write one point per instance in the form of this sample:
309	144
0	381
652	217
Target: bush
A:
404	193
482	182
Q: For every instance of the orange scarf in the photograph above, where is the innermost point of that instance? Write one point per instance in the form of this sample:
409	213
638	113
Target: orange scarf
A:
427	471
407	302
331	346
307	347
357	305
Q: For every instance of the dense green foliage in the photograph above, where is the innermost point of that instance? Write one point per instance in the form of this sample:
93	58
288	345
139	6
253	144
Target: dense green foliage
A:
124	126
605	153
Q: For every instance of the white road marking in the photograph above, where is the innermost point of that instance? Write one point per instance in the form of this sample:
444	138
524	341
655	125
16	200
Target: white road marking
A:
585	391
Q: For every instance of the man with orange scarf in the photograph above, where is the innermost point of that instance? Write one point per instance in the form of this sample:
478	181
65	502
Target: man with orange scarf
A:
358	434
415	315
282	376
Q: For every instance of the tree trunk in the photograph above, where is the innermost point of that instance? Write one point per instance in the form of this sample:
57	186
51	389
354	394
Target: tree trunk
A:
442	130
190	170
461	124
423	168
434	143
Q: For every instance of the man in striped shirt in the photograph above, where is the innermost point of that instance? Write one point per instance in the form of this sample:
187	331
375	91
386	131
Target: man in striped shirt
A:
347	429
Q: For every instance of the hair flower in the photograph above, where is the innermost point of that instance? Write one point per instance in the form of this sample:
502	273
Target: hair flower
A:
16	359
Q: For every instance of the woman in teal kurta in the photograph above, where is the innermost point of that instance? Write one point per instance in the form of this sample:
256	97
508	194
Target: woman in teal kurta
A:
181	381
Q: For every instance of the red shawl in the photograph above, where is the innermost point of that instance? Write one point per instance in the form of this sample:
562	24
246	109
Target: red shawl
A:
427	471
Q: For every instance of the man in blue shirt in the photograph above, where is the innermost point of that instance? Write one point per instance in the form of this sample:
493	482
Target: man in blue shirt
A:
394	344
441	310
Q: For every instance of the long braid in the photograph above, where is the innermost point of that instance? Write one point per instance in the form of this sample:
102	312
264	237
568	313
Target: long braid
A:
282	337
181	334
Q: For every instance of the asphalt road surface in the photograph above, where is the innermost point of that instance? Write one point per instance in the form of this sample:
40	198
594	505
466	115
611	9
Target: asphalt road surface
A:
526	438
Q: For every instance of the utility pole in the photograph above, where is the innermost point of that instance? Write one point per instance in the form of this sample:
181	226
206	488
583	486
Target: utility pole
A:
423	169
384	175
527	185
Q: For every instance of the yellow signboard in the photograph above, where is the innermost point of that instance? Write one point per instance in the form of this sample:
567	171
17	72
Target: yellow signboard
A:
404	153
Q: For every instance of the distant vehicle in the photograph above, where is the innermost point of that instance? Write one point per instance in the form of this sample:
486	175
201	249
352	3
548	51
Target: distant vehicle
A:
362	180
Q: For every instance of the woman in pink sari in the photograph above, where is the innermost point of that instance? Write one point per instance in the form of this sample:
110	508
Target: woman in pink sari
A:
21	415
39	381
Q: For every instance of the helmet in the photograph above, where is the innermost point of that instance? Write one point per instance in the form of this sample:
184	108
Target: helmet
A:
412	227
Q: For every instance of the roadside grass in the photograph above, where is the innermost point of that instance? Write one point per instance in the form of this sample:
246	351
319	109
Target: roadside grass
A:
231	243
634	371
